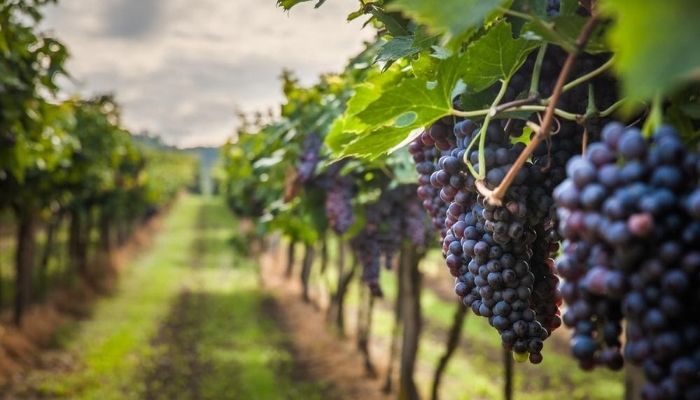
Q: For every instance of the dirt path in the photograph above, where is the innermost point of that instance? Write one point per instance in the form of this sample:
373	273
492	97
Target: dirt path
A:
322	354
177	370
182	365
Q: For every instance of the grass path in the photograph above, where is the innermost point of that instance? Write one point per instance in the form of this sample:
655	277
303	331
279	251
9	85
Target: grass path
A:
188	322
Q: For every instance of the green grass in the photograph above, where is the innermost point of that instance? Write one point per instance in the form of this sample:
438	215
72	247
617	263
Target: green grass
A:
115	340
241	346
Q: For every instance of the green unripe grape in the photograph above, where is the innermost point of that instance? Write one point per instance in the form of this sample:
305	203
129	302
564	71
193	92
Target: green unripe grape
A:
520	357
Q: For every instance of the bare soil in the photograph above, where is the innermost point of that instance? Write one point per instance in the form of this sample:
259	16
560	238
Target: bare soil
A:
321	354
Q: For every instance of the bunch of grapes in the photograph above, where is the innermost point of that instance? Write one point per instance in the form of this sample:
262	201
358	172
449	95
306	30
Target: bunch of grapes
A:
396	216
628	214
501	256
309	158
366	248
338	203
503	262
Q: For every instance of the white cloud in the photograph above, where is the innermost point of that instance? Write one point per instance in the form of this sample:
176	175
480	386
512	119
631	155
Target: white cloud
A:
181	68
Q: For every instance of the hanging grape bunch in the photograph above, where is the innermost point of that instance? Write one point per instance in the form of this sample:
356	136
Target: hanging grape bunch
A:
628	213
501	256
309	158
340	191
394	217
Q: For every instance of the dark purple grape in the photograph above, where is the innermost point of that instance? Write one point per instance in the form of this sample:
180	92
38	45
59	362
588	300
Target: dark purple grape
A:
630	252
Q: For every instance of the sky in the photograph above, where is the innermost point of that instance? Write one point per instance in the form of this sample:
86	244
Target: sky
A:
181	68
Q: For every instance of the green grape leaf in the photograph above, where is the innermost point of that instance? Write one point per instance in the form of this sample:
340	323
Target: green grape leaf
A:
496	55
346	127
380	141
448	16
390	23
477	101
428	100
395	49
536	7
422	39
385	122
656	44
411	96
398	113
288	4
404	46
568	7
343	131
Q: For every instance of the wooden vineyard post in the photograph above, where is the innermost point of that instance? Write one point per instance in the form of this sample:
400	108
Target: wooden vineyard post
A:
26	248
634	380
306	265
411	317
452	343
364	328
507	374
290	258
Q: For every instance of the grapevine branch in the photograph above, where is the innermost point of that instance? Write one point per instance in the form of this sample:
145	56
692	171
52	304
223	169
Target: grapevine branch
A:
514	104
495	197
517	105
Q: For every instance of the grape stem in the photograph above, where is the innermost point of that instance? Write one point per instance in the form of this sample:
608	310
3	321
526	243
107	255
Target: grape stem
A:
526	105
558	112
483	190
586	77
655	116
482	133
495	197
518	14
536	72
515	104
608	111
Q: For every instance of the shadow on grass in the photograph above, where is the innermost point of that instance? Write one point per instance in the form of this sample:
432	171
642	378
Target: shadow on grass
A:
225	345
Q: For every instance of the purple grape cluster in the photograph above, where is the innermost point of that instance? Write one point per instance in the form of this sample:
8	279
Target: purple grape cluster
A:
523	225
366	248
500	256
309	158
338	204
396	216
628	216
